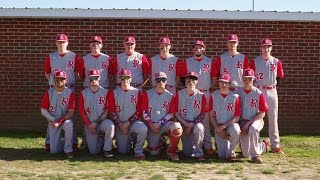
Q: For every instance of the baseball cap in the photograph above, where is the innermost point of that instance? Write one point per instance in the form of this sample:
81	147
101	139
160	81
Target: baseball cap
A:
266	42
225	77
198	42
94	72
125	72
164	40
62	37
160	75
129	39
232	37
192	74
96	39
248	73
60	74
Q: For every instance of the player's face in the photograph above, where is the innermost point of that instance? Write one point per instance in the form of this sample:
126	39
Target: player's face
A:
248	81
94	80
129	47
62	45
224	85
191	81
161	83
266	49
164	48
232	45
60	82
125	81
95	47
198	50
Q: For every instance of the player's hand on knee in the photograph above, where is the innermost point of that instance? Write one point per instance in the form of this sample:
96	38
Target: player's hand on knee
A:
54	124
155	127
190	125
92	128
187	130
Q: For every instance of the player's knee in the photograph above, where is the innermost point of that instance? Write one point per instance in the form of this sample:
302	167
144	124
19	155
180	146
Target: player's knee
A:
68	125
198	128
252	130
143	129
176	129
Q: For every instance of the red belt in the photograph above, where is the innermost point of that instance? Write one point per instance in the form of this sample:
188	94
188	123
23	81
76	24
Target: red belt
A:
202	90
170	86
267	87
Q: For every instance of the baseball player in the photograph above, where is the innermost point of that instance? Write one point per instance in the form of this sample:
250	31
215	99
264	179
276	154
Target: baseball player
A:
190	111
58	107
64	60
269	71
158	108
167	63
96	60
93	110
254	107
125	110
135	62
232	62
224	113
205	68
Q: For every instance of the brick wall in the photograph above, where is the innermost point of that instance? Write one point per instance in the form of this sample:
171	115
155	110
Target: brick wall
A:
24	43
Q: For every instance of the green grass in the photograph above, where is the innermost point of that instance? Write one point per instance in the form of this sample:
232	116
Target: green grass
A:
22	157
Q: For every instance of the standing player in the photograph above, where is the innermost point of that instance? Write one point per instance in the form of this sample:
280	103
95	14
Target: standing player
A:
190	111
158	109
254	107
135	62
96	60
58	106
224	113
205	68
167	63
93	111
268	74
63	60
125	111
232	62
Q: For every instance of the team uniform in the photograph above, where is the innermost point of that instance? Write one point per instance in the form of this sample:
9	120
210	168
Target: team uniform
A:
91	106
225	107
267	72
206	70
192	107
125	105
252	102
58	104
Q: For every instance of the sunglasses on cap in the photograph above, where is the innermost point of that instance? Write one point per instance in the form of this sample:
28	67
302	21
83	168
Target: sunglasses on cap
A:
161	80
122	78
94	78
59	79
248	79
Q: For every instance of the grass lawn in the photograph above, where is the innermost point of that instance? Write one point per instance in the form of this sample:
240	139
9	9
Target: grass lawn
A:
22	157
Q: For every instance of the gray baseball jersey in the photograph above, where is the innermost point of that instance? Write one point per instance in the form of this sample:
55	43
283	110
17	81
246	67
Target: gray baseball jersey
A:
167	66
189	107
66	63
203	68
224	108
133	63
249	102
59	102
102	63
126	102
266	71
158	105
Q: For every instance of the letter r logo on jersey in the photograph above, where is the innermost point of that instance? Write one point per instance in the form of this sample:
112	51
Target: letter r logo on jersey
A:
170	67
272	67
104	65
64	101
165	104
70	64
253	103
230	107
102	100
196	104
133	99
135	63
206	67
239	64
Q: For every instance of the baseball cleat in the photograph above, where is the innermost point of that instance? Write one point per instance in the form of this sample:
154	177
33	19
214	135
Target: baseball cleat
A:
232	158
199	158
267	144
210	152
277	151
83	146
70	155
140	157
173	156
46	148
256	160
108	154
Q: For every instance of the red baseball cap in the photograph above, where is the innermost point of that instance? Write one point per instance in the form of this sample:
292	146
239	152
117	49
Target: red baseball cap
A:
60	74
125	72
198	42
94	72
129	39
225	77
248	73
160	75
192	74
62	37
164	40
266	42
96	39
232	37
